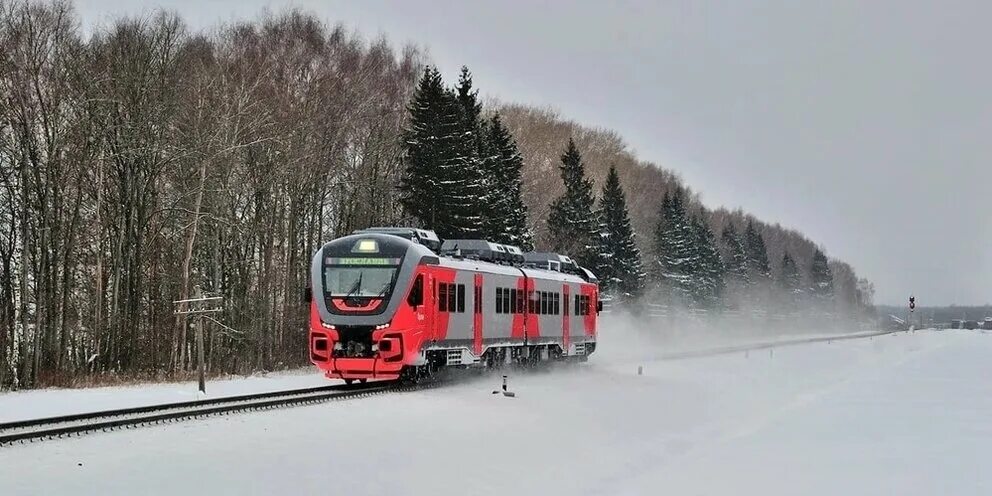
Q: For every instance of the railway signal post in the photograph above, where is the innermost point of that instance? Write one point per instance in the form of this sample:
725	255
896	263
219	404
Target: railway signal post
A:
199	306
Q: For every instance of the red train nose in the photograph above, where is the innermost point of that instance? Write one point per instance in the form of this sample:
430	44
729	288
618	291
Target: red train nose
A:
320	349
390	348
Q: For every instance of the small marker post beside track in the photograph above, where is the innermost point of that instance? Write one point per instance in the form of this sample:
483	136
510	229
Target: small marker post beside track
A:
508	394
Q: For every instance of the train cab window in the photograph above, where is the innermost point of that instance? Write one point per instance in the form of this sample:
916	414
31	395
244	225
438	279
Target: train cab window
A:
416	297
461	298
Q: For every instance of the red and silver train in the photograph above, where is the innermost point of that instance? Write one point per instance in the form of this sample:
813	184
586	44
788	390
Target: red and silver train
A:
389	303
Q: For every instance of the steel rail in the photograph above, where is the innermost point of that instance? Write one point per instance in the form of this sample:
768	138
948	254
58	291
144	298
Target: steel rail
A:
682	355
51	427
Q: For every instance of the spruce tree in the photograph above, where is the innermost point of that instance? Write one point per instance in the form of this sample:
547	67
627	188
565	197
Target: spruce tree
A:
468	102
470	185
757	255
710	271
790	280
441	184
572	222
424	151
677	257
619	269
736	259
822	279
506	219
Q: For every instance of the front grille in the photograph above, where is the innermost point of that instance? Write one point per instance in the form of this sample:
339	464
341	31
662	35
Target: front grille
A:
354	341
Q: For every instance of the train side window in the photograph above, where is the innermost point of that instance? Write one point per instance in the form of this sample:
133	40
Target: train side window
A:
461	298
506	300
442	297
557	300
499	300
520	301
513	301
416	297
451	298
576	305
544	302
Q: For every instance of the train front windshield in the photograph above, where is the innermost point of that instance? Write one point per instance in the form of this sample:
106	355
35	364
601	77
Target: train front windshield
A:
344	281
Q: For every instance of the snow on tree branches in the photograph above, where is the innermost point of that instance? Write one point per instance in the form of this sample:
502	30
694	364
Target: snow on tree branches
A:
619	269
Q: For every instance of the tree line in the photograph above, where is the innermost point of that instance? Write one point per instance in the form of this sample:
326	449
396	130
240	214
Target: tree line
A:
691	257
143	164
455	175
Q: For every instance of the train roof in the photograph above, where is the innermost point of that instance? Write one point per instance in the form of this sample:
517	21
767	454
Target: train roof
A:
484	255
509	270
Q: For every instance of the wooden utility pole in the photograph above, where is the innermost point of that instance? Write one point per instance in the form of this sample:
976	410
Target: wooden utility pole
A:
199	306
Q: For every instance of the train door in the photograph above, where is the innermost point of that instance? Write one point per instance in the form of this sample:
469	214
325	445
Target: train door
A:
430	313
530	309
564	319
477	316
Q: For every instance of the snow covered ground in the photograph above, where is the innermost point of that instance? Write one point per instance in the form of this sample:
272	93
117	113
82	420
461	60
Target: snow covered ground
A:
898	414
644	346
29	404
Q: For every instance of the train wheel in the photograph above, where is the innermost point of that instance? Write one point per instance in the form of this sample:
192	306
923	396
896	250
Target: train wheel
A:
363	381
410	375
349	381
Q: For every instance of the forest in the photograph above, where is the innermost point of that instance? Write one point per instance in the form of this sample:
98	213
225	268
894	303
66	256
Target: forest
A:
144	163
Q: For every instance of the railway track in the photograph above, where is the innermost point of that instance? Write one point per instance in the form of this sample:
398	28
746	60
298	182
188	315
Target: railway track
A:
124	418
76	424
681	355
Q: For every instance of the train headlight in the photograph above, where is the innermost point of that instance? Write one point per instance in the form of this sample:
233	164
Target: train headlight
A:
382	326
325	325
366	246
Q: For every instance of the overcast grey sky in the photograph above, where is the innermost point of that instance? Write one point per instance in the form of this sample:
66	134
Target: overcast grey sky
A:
865	124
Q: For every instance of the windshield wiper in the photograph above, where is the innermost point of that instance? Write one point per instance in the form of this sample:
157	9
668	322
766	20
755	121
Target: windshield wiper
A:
357	286
384	290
